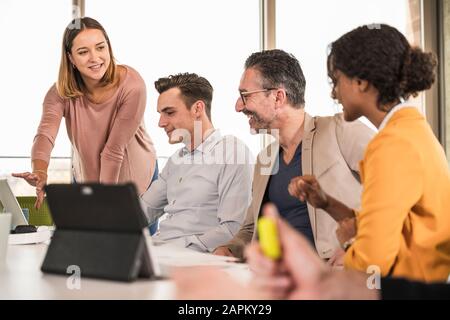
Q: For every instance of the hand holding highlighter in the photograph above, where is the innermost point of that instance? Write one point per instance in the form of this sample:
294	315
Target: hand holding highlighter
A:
268	238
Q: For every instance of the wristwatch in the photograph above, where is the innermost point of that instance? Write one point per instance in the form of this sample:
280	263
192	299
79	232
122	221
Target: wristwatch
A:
348	243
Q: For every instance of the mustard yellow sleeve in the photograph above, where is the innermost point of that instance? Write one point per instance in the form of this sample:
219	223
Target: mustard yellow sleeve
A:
392	185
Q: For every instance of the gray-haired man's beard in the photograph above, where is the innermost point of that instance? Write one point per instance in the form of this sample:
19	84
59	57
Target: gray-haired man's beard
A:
261	123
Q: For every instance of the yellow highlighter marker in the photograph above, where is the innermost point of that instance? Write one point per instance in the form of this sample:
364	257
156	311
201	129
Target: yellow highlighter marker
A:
268	238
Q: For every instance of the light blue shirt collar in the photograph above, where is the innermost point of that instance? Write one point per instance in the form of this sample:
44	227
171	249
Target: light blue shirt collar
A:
206	146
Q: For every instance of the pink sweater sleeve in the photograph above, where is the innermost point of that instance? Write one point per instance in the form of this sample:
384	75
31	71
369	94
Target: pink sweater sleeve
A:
128	119
44	141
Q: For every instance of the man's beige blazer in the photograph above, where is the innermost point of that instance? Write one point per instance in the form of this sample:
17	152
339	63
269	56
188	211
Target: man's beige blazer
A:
331	150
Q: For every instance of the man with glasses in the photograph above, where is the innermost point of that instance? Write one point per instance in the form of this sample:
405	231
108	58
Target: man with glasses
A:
272	90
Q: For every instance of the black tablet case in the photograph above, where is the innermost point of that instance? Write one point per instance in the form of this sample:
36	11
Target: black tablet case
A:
99	228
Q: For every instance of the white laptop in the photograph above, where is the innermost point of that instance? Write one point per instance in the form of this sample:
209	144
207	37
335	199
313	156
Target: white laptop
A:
8	203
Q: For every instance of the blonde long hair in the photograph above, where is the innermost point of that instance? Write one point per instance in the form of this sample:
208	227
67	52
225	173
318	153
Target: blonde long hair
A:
70	84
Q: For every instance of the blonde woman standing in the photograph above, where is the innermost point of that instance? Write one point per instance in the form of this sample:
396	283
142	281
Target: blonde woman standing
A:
103	105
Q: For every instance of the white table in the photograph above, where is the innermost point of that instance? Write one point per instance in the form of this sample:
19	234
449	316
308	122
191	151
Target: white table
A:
21	278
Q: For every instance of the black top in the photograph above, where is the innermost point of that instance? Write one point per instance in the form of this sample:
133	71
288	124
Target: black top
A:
290	208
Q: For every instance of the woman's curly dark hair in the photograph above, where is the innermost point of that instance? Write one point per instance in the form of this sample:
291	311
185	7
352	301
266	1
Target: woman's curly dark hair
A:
381	55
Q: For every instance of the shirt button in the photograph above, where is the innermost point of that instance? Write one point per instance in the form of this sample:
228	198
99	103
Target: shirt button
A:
179	180
173	202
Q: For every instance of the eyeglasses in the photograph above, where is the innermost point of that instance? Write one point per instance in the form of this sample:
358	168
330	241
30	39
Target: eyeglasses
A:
245	94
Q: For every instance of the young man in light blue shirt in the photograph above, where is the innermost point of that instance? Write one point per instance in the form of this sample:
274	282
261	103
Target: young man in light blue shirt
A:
205	187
